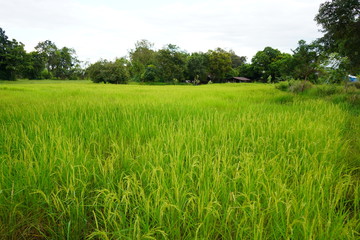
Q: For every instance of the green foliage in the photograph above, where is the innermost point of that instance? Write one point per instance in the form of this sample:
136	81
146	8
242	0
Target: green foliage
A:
327	90
307	61
340	21
140	58
61	63
12	57
269	79
198	65
196	80
16	63
247	70
354	84
34	66
282	67
219	64
49	52
236	61
335	69
262	63
348	95
334	76
300	86
150	74
96	71
45	74
171	63
233	72
66	63
109	72
283	86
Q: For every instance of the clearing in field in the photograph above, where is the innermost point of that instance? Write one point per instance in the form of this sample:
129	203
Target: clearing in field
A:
232	161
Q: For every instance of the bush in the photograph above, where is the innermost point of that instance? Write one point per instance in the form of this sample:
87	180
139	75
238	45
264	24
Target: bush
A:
327	90
283	86
45	74
354	84
150	74
108	72
300	86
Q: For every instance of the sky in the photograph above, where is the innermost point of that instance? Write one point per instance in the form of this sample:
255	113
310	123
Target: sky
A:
108	29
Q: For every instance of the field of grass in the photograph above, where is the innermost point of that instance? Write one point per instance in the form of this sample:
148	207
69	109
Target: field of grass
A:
231	161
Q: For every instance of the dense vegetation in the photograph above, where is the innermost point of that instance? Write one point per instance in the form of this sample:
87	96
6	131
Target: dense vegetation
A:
47	62
328	59
175	162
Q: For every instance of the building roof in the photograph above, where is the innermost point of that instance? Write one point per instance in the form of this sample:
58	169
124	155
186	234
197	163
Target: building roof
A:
241	78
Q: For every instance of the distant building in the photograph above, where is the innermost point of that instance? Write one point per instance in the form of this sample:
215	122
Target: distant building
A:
353	78
239	80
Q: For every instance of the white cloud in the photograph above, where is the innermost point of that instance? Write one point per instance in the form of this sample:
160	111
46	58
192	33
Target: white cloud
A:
108	29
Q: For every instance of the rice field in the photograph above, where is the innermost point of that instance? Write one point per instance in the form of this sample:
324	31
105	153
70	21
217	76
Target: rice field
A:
231	161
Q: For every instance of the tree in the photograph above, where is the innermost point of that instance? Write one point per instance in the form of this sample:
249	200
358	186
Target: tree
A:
340	22
307	61
150	74
118	71
49	52
65	63
247	70
171	63
197	67
109	72
60	63
96	71
12	57
34	66
262	63
335	68
142	56
219	64
236	61
283	67
3	52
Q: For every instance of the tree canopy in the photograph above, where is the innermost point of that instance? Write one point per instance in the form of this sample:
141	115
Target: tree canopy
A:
47	61
140	58
12	57
340	22
109	72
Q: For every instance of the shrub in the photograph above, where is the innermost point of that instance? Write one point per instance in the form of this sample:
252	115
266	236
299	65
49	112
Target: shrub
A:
327	90
45	74
300	86
354	84
150	74
283	86
175	81
111	72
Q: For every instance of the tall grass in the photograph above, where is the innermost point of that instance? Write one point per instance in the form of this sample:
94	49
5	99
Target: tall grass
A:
233	161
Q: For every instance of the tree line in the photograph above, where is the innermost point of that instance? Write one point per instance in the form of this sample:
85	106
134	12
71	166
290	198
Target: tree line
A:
171	64
46	62
327	59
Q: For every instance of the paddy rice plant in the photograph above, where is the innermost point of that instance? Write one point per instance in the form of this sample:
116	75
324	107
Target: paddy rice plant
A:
231	161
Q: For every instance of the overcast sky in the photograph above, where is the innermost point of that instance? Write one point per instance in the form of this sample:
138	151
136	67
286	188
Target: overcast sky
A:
109	28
